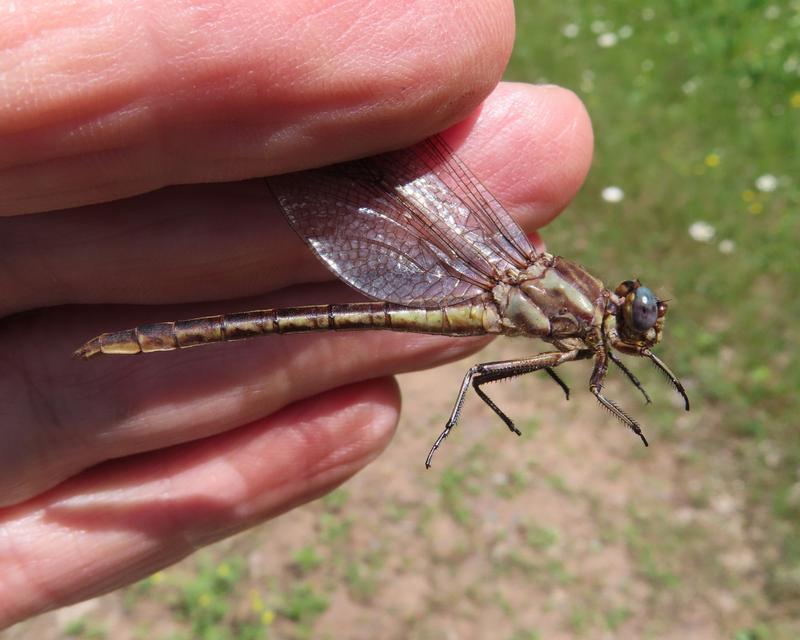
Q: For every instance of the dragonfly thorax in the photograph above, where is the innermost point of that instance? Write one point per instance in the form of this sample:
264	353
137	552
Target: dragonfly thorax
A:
553	299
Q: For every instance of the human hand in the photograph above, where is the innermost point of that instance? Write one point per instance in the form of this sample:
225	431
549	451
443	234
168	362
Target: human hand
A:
116	467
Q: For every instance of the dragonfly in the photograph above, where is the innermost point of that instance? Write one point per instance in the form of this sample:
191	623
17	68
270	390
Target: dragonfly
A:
420	235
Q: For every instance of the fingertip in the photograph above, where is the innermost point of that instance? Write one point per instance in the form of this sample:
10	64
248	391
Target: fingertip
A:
534	143
323	440
363	420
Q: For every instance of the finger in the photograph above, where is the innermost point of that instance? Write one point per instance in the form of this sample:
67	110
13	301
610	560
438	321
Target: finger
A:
530	145
107	100
119	522
62	415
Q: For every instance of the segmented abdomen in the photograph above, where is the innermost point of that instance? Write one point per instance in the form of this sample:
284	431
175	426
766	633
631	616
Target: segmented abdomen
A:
458	320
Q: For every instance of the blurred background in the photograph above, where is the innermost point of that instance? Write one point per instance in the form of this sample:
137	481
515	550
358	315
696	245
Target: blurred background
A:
575	530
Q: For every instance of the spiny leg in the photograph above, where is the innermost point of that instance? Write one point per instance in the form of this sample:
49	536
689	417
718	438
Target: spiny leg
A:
630	375
620	414
614	339
670	376
596	387
558	380
484	378
476	384
451	422
494	371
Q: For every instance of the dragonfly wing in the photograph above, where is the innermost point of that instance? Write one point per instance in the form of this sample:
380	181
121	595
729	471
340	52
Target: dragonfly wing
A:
413	227
490	225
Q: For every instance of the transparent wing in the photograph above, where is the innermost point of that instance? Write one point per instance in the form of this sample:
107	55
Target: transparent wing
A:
414	227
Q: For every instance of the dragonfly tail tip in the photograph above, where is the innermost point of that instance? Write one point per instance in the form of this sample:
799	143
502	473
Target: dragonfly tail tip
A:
88	350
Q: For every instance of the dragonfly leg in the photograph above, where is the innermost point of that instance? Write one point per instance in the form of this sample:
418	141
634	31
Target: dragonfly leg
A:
476	384
614	340
451	422
558	380
493	372
670	376
596	387
630	375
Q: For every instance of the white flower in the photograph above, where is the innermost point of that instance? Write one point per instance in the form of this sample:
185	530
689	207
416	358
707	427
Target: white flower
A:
612	194
776	44
766	183
672	37
702	231
726	246
648	14
772	12
690	86
625	31
607	40
570	30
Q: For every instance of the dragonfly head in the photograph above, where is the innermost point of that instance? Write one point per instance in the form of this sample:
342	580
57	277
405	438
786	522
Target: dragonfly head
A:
640	316
634	322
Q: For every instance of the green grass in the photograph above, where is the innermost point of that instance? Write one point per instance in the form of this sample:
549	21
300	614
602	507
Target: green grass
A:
333	529
453	490
306	559
303	604
615	618
336	500
462	481
691	105
211	600
540	538
82	628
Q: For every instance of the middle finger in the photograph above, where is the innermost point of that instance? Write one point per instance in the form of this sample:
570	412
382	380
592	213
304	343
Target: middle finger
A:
530	145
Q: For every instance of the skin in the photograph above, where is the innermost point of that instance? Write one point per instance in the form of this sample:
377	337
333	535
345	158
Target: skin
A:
112	469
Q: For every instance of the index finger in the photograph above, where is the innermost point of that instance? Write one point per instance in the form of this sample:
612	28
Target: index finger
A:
103	100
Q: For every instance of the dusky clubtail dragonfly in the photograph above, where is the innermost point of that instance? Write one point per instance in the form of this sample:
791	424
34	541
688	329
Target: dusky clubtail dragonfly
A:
418	233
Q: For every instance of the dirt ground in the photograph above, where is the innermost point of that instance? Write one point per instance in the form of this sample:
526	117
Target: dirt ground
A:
573	530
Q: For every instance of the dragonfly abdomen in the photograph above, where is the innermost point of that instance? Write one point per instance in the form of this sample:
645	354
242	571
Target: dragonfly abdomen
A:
456	320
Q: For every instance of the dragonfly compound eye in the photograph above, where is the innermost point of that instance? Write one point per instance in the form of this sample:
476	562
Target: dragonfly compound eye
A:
644	311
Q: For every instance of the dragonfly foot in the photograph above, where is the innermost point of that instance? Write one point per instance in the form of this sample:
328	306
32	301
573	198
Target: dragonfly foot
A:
436	445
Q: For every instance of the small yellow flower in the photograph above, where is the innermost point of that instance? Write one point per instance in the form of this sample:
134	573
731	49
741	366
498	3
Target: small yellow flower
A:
158	577
224	570
755	208
748	195
795	100
256	603
204	600
712	160
267	618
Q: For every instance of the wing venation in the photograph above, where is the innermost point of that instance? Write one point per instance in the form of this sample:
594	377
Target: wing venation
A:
413	227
